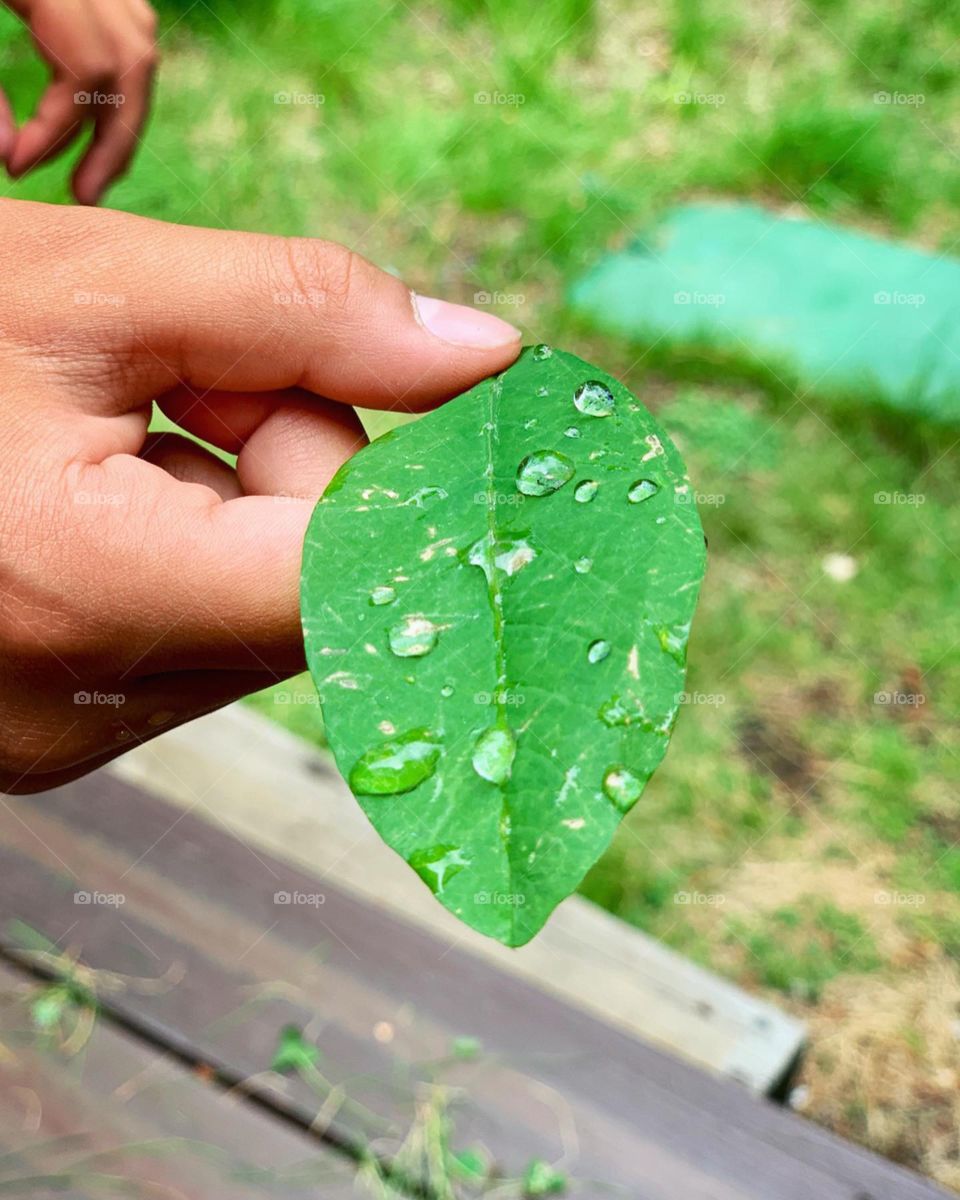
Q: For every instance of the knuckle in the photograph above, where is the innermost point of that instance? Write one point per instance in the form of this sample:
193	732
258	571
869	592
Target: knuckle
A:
319	272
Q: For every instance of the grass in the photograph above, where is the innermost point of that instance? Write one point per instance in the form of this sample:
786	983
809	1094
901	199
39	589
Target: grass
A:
500	146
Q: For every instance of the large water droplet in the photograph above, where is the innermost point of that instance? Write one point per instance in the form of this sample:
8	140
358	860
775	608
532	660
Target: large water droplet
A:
541	352
398	765
543	472
673	640
413	637
382	595
594	398
437	865
494	753
622	787
597	651
508	555
642	490
584	492
583	565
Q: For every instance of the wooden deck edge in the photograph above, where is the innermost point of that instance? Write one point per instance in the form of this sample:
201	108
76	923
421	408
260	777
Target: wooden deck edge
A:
273	790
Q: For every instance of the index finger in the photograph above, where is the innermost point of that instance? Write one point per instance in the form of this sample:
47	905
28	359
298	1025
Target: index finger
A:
115	137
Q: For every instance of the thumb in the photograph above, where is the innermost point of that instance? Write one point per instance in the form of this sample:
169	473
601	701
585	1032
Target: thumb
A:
245	312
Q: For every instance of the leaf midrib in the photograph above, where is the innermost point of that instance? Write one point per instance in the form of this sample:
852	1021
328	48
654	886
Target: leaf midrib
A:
495	593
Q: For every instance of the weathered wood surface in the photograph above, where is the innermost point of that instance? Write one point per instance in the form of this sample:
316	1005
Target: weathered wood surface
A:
230	765
113	1107
383	998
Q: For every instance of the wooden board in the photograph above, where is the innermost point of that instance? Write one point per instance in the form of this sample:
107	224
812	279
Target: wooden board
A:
383	998
112	1106
226	766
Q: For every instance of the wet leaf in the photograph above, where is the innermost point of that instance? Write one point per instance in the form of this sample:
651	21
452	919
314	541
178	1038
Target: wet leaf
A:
500	650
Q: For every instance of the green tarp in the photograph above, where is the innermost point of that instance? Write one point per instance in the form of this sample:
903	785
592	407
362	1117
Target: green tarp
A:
843	310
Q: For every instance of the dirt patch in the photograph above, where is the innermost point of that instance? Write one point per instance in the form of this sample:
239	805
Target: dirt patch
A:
884	1065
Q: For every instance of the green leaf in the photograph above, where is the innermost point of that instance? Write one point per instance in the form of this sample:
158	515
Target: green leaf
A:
293	1053
540	1179
496	601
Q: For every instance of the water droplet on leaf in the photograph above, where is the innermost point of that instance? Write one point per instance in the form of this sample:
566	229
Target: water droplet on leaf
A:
446	691
594	398
382	595
437	865
541	352
622	787
584	492
494	753
413	637
642	490
583	565
597	651
397	765
571	432
543	472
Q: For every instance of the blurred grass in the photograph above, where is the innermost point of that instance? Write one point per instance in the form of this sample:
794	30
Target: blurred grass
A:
501	146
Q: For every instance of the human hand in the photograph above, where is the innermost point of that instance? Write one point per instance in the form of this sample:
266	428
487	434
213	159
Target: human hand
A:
144	580
102	54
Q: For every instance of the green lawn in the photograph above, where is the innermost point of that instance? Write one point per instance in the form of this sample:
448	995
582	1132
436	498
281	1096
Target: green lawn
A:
802	835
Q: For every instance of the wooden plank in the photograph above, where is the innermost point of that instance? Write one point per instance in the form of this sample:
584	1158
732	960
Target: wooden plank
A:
384	997
111	1106
226	764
